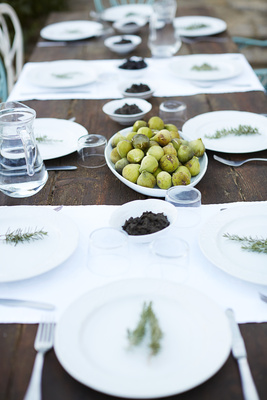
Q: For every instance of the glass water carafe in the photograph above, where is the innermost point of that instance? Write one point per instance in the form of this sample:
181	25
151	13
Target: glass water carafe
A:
164	39
22	171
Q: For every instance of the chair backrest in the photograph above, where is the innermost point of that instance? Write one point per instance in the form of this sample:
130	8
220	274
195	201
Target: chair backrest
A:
11	43
99	6
3	83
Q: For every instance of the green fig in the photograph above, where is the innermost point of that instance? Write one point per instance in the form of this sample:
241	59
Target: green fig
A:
149	164
171	127
135	155
120	164
123	147
130	135
131	172
176	142
114	155
155	151
163	137
198	147
116	139
185	153
146	179
169	149
140	141
193	166
181	177
169	163
158	170
145	131
156	123
138	124
164	180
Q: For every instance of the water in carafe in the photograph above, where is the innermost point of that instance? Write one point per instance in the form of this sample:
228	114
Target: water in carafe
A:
164	39
22	171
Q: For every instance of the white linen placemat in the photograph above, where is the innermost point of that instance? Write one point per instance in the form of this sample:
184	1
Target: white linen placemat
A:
158	75
62	285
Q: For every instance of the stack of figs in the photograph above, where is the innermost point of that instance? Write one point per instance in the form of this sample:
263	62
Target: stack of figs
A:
154	154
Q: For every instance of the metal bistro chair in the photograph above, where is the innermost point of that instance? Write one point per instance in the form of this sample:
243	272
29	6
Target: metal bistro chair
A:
11	44
244	42
3	83
100	7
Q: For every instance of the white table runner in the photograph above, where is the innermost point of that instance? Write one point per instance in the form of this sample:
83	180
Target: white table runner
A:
158	75
70	280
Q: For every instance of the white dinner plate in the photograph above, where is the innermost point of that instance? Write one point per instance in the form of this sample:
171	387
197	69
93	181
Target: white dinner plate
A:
153	192
209	123
57	137
116	13
91	339
71	30
30	259
196	25
61	74
183	67
226	254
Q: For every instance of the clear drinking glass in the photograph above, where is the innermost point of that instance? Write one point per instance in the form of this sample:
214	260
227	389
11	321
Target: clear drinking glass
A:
173	112
164	39
22	171
108	252
91	151
170	255
189	198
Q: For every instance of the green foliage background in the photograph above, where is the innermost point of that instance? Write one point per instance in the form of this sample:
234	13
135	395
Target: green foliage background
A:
32	15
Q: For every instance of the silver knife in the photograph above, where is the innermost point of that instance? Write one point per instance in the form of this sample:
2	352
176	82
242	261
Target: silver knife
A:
63	168
239	352
26	303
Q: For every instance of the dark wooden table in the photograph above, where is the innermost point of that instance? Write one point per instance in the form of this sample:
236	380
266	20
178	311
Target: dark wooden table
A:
221	184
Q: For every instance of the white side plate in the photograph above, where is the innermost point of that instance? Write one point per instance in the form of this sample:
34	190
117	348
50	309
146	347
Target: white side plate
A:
191	25
209	123
71	30
91	339
227	254
30	259
60	136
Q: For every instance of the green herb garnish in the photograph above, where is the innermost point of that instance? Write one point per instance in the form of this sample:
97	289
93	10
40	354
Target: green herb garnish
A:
67	75
241	130
249	243
148	322
196	26
45	139
204	67
20	236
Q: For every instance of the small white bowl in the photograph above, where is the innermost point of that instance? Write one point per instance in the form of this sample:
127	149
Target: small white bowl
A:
110	108
141	95
135	209
130	74
112	41
130	24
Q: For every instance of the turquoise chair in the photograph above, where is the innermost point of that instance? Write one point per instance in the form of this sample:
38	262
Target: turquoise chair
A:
3	83
100	7
244	42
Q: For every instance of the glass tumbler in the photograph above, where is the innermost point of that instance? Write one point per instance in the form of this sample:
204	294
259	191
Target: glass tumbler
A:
91	151
108	252
173	112
189	198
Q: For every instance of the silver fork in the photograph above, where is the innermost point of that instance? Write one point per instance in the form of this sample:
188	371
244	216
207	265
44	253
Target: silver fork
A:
43	342
236	163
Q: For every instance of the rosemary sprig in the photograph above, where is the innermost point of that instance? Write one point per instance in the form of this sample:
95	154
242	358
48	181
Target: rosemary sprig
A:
147	319
135	337
257	245
196	26
67	75
239	131
204	67
20	236
45	139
